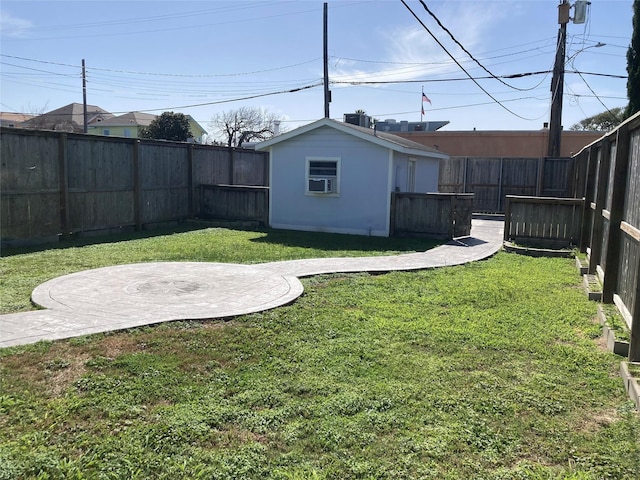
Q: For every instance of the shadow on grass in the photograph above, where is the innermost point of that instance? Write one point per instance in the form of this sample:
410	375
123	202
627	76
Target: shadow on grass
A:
288	238
338	242
87	239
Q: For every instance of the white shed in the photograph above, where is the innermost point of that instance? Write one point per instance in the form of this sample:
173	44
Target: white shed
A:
330	176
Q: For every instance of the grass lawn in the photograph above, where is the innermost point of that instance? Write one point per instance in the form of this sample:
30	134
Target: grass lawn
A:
21	270
486	371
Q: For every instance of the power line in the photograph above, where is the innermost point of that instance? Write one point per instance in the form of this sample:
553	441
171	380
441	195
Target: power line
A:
162	30
172	17
251	97
424	5
461	67
213	75
38	70
598	98
439	80
432	63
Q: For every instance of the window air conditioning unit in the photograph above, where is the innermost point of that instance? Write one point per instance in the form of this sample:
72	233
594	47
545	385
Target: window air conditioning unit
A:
321	185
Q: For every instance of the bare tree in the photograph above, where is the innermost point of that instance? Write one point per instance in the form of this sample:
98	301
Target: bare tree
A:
234	127
39	121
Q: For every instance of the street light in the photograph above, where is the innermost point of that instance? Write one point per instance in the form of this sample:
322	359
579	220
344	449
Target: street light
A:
575	54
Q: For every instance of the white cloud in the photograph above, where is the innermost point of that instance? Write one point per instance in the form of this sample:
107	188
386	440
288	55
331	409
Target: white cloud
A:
14	27
412	53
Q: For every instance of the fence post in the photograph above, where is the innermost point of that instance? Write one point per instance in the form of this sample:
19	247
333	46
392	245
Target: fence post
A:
507	218
589	188
452	217
265	194
612	263
230	165
266	172
499	200
190	179
137	187
540	183
596	231
634	344
63	169
464	178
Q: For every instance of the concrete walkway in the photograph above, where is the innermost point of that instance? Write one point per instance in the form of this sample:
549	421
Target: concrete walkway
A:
127	296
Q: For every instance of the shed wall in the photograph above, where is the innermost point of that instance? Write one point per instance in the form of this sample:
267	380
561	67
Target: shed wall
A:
362	206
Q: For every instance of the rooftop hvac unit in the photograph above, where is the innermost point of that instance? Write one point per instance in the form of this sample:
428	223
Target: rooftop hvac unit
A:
359	119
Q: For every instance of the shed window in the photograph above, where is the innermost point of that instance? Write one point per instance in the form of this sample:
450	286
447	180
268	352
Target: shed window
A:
322	176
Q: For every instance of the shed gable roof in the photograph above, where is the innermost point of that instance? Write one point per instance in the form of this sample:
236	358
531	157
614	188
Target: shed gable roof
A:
386	140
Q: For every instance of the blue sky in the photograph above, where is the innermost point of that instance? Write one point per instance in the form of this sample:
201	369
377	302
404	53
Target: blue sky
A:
154	56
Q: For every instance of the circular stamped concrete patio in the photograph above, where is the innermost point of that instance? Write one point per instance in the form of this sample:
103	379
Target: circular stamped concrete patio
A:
127	296
169	291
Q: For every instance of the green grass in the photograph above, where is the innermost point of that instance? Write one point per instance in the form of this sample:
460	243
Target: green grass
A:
616	322
21	270
484	371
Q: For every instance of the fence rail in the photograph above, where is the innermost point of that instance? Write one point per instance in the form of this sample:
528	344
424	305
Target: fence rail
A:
439	215
491	179
546	222
53	184
611	231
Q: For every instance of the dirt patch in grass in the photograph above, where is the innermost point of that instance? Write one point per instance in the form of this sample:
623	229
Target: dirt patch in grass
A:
215	324
58	379
601	343
598	421
51	372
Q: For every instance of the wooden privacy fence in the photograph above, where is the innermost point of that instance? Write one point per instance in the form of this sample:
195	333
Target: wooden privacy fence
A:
543	221
440	215
235	202
54	184
611	231
491	179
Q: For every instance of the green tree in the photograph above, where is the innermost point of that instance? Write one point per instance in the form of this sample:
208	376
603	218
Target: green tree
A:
601	122
169	126
633	64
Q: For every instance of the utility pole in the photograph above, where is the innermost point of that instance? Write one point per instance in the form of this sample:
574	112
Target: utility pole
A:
557	82
327	93
84	98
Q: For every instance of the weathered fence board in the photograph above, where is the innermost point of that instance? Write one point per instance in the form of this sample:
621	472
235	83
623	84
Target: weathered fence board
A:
30	216
165	182
612	189
491	179
99	184
543	221
557	177
100	210
438	215
451	178
53	184
29	185
235	202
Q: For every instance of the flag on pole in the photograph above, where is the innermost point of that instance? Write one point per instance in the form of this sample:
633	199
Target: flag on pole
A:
422	111
425	98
